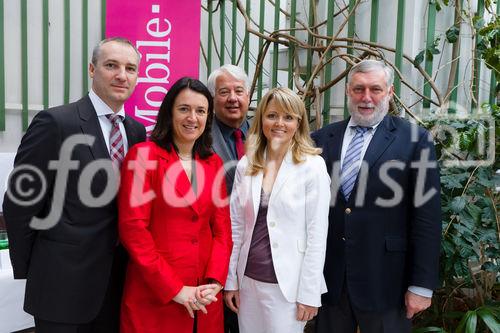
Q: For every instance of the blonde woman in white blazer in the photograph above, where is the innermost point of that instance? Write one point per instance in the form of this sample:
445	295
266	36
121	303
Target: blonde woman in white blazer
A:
279	217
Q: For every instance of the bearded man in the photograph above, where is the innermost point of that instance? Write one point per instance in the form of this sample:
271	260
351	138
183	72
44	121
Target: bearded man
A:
385	217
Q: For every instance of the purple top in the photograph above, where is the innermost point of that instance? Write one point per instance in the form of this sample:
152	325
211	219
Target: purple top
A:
260	260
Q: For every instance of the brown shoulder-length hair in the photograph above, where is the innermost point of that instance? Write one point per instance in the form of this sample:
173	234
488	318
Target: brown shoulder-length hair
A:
301	145
162	133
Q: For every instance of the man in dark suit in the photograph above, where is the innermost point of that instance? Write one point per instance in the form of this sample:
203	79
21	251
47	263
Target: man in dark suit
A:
385	220
230	87
60	209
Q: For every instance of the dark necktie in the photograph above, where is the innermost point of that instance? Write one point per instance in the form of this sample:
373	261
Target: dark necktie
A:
238	140
116	149
352	161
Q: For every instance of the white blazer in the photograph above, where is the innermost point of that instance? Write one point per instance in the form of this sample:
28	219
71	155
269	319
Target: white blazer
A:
297	221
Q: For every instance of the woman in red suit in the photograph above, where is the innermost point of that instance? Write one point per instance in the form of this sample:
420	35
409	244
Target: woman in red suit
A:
174	221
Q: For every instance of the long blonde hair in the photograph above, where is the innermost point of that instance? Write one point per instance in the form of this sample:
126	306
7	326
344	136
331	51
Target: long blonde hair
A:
256	143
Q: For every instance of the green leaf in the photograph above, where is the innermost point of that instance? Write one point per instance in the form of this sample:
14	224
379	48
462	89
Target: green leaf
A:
487	234
488	317
474	211
492	252
461	324
452	181
437	3
429	55
486	177
495	311
481	45
419	58
486	182
489	267
470	326
478	22
467	252
460	269
458	203
435	51
448	248
452	34
468	323
466	141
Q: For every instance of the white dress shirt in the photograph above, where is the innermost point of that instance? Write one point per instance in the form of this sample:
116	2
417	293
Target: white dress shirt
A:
102	110
348	136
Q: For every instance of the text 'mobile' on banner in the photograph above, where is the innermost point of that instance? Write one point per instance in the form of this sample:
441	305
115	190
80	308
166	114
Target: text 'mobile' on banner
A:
167	34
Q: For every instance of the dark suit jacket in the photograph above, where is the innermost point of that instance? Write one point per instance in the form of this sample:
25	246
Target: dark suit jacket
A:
67	267
380	251
220	147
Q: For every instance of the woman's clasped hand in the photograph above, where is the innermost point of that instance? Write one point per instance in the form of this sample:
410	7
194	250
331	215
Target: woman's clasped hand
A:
196	298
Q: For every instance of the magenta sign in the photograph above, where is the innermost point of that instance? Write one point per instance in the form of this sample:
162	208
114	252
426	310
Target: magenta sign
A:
167	34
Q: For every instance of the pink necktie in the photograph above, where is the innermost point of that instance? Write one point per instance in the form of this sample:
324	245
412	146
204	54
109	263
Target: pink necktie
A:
116	149
238	140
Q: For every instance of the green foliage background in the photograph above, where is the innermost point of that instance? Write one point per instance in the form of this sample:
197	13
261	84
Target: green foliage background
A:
469	300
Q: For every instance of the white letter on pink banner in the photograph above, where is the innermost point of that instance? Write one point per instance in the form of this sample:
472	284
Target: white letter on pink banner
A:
167	34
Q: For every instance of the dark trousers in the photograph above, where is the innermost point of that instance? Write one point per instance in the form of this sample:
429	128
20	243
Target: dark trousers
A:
108	318
230	321
345	318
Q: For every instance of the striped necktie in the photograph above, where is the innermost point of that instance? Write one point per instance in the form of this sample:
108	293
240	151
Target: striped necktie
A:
116	149
352	161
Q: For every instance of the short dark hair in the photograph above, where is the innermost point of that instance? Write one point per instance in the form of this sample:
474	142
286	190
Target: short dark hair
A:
162	133
96	52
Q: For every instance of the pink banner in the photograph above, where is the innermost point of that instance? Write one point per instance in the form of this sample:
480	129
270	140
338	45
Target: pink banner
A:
167	34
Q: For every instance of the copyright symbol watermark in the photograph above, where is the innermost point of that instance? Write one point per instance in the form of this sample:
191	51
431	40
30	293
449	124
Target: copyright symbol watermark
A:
28	185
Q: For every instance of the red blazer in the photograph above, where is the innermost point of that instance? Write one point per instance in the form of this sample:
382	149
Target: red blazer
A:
174	238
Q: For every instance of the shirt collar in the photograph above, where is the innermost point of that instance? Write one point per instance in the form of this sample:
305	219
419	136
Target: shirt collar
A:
101	108
353	123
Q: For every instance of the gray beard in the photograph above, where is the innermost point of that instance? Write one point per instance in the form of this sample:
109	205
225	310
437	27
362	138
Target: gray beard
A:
378	114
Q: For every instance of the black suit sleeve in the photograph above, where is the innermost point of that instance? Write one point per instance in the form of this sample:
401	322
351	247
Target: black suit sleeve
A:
425	229
39	145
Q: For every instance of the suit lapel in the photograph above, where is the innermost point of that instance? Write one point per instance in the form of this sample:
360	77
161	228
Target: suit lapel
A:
284	173
202	173
336	141
332	151
332	148
178	179
132	135
90	126
219	144
381	140
220	147
256	188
